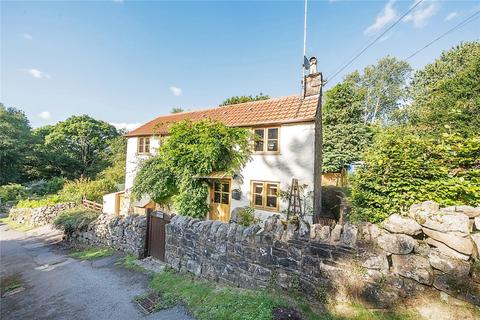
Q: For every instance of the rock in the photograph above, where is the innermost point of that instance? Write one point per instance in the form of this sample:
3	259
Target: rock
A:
477	223
349	235
396	243
469	211
398	224
448	264
319	232
289	233
336	233
460	244
422	249
379	262
413	267
476	239
447	222
303	229
324	234
420	211
447	250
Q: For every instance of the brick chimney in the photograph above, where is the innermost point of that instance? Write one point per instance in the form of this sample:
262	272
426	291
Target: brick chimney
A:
313	81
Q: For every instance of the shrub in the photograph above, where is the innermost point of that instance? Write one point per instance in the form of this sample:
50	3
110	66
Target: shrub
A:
44	187
92	189
42	202
246	217
12	192
75	219
405	166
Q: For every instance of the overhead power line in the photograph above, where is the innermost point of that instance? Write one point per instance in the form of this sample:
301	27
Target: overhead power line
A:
374	41
461	24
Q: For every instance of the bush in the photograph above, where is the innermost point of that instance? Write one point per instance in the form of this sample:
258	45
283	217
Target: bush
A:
92	189
75	219
246	217
12	192
44	187
42	202
406	166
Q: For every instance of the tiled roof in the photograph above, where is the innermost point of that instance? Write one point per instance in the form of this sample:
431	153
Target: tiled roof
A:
272	111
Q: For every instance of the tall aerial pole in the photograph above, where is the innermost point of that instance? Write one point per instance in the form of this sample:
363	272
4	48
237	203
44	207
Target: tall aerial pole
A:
304	43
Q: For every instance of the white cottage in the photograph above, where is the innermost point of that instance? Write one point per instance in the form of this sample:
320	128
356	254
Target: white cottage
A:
288	148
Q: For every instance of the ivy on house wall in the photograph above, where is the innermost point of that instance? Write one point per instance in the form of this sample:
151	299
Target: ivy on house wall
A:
193	149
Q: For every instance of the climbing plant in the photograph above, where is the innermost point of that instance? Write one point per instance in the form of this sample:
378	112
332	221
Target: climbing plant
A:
192	150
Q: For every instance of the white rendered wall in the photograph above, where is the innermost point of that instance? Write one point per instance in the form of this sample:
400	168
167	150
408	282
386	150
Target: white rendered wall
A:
109	203
134	159
296	160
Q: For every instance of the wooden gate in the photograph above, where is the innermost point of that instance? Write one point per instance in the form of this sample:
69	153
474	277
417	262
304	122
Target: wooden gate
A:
156	222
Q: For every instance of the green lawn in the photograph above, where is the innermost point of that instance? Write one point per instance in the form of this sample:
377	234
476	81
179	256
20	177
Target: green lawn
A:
92	253
207	301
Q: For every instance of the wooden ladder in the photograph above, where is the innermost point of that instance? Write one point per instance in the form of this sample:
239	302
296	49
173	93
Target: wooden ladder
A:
294	201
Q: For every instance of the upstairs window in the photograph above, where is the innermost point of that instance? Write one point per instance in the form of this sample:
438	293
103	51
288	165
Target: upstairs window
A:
143	145
266	140
265	195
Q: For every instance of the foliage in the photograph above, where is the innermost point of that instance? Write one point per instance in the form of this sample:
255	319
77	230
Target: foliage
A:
447	92
345	136
83	143
93	190
129	261
42	202
92	253
243	99
435	155
383	88
12	192
44	187
176	110
192	149
246	217
404	167
75	219
15	140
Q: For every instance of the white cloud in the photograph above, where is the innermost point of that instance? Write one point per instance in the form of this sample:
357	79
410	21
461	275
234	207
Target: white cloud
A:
45	115
176	91
27	36
387	15
125	125
451	16
38	74
422	13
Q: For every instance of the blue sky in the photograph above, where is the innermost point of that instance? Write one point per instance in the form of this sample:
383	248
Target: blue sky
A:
129	61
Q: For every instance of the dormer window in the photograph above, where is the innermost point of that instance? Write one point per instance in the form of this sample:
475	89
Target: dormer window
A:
266	140
143	145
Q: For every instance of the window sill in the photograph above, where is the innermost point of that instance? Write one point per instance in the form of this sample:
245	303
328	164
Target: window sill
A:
266	209
271	153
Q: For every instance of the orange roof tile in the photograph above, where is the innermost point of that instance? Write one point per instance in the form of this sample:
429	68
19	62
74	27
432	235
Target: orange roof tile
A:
272	111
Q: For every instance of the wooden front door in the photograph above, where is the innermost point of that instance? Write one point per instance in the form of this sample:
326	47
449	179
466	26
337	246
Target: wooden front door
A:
220	200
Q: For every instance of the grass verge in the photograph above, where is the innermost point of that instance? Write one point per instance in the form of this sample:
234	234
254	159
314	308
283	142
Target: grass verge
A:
14	225
129	262
207	301
92	253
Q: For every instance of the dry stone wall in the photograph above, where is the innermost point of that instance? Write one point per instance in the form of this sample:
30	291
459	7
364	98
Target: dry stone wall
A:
432	249
121	233
39	216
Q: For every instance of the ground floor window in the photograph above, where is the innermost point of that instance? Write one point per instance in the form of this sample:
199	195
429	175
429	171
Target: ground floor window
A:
265	195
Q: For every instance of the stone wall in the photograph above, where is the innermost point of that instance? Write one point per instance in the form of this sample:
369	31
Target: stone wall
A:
38	216
432	249
121	233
